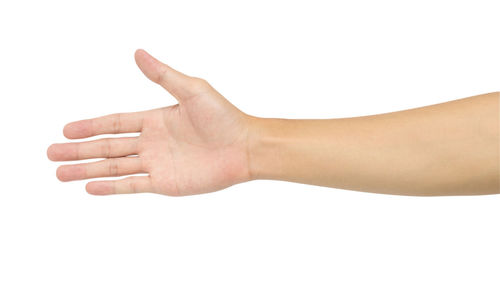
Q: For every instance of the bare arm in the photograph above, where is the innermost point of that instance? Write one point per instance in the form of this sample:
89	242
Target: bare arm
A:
204	144
445	149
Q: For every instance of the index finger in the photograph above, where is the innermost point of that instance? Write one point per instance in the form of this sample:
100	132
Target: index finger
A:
110	124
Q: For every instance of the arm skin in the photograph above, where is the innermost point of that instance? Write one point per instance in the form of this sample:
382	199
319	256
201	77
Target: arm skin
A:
445	149
204	144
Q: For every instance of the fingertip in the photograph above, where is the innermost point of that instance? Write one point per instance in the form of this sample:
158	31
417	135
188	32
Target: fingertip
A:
172	80
62	152
61	174
67	131
50	152
150	66
70	173
141	56
137	56
99	188
139	52
78	129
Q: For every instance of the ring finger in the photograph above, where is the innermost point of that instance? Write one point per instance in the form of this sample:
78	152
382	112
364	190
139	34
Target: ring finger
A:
113	167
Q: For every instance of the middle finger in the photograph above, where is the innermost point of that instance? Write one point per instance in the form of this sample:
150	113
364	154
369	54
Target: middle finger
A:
102	148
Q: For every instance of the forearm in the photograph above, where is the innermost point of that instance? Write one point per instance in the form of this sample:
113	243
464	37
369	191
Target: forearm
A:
444	149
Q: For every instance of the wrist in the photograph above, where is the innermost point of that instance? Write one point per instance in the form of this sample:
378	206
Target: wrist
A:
265	140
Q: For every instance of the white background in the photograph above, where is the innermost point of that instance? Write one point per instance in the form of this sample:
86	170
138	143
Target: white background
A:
62	61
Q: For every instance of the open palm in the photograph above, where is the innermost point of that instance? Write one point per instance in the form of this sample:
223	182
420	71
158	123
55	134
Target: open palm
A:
196	146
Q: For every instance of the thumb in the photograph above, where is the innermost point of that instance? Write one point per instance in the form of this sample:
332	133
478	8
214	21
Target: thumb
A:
175	82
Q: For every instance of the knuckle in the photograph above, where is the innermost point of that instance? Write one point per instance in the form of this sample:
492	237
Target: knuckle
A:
78	151
198	84
161	77
116	122
132	184
113	167
105	148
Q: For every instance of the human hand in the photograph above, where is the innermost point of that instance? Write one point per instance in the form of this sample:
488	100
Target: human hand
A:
196	146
